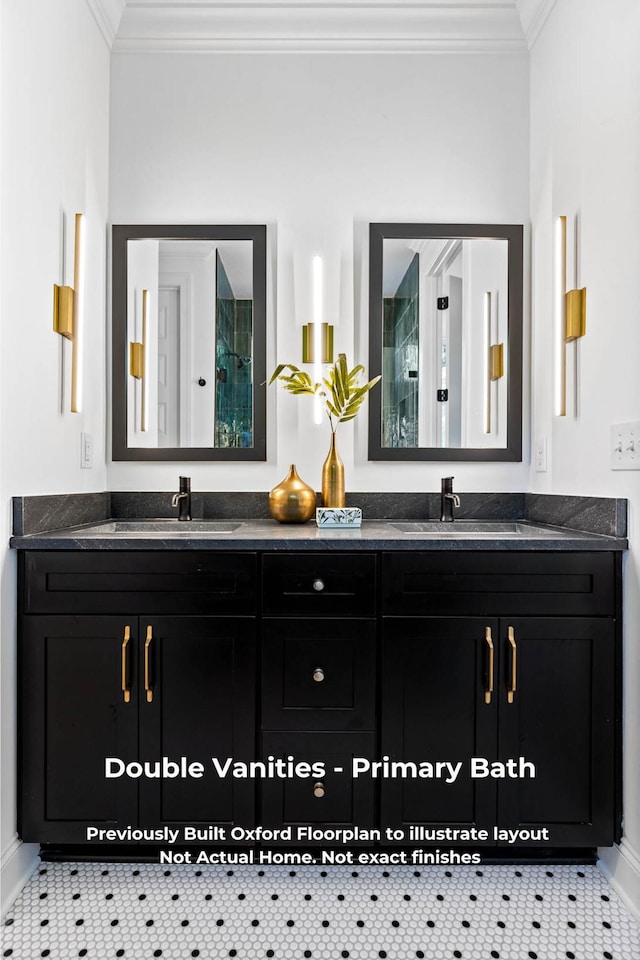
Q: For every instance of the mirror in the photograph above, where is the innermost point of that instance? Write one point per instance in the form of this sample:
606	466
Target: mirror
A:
189	333
445	334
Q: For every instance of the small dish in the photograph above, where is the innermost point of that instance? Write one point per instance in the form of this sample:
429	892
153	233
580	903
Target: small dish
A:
338	516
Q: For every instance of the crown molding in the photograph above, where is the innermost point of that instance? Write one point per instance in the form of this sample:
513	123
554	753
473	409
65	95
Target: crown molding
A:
350	26
533	16
107	14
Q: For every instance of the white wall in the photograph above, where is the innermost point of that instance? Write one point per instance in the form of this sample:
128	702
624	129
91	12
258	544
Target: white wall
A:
317	146
54	88
585	123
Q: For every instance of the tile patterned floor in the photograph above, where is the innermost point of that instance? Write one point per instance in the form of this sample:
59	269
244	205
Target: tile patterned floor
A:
137	911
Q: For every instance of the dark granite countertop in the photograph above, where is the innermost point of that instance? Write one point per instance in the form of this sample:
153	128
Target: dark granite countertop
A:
272	536
393	521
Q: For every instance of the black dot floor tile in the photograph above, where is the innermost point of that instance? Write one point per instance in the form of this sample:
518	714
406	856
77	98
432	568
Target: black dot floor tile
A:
498	913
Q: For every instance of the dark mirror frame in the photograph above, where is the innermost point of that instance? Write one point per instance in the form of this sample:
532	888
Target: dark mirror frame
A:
121	234
513	233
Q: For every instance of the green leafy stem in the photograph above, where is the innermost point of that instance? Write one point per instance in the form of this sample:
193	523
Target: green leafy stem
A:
340	391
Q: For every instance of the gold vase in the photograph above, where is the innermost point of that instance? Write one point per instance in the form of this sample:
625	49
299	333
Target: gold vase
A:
293	500
333	478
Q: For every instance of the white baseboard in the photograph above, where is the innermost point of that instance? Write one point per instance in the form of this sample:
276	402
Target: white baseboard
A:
19	860
621	866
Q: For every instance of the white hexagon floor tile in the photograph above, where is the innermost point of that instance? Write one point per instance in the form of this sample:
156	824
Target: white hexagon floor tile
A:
102	911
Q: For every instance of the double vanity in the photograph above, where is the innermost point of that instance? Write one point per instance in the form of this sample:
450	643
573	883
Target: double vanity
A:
449	680
224	679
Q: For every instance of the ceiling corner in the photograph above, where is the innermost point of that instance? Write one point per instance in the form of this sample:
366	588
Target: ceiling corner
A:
533	15
347	26
107	14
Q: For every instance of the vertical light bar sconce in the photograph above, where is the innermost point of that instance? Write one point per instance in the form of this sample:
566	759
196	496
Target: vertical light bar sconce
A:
487	355
570	308
317	337
138	363
144	408
318	307
494	358
560	285
68	313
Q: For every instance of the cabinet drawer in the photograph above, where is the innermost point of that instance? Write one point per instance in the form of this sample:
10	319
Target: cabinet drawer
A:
333	799
181	581
317	584
498	584
318	674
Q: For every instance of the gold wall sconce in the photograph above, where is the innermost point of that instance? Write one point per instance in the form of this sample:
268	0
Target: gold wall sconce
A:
138	362
570	314
575	314
496	361
317	337
495	358
68	310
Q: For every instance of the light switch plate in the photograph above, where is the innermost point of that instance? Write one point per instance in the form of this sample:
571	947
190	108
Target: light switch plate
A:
86	451
540	455
625	446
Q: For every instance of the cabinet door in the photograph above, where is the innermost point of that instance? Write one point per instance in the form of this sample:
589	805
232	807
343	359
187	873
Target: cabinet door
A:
318	674
200	673
562	720
437	708
75	715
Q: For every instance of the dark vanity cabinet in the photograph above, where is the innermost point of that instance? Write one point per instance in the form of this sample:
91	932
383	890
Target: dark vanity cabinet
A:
397	656
135	685
532	697
73	716
319	649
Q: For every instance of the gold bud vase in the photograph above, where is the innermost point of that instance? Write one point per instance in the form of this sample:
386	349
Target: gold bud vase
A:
293	500
333	478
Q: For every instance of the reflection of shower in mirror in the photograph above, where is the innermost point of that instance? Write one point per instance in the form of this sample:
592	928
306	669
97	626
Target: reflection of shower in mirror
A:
242	361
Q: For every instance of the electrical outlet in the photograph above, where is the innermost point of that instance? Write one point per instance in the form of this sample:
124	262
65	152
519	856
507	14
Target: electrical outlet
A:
625	446
86	451
541	455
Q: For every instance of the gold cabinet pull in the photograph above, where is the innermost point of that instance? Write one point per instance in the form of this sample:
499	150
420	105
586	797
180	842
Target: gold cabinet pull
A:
511	687
489	642
318	790
318	674
147	665
126	690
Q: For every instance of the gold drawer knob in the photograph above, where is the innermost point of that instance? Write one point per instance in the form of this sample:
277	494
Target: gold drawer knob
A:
318	790
318	585
318	674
